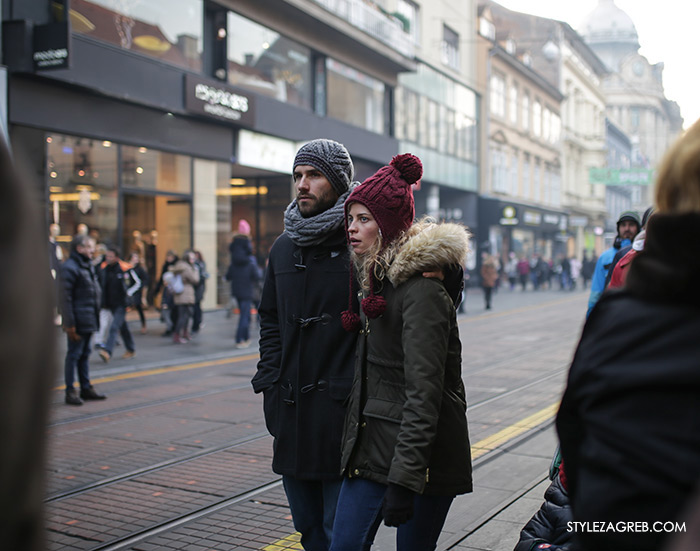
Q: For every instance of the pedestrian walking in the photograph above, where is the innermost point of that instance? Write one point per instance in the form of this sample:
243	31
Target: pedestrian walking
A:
136	298
118	283
199	290
168	313
183	294
244	275
628	226
628	420
405	450
306	358
523	271
489	276
81	306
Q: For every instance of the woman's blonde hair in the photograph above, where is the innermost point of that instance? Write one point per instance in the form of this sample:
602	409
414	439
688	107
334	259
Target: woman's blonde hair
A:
378	258
678	180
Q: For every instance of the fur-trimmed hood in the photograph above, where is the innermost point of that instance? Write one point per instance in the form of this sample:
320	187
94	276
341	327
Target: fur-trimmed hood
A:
429	246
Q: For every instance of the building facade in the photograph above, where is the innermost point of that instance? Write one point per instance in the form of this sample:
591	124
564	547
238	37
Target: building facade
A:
436	109
634	92
521	185
161	124
559	55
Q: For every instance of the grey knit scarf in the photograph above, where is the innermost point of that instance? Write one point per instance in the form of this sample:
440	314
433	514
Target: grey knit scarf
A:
306	232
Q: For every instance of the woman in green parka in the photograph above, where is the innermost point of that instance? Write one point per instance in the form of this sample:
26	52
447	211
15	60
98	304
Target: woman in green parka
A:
405	450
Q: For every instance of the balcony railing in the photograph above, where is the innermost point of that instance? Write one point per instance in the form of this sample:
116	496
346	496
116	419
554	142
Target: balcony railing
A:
373	22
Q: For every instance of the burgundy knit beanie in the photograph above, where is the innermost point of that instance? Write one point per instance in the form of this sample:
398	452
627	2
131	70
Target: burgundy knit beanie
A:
388	197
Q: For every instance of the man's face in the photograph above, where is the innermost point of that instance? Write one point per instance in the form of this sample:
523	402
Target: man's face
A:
87	248
314	192
628	229
110	257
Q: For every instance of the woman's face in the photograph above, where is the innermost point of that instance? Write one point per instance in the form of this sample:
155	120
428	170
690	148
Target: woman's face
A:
363	230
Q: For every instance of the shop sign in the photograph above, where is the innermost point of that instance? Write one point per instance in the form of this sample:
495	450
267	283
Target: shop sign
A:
50	49
578	221
218	101
509	217
621	176
551	219
266	152
532	218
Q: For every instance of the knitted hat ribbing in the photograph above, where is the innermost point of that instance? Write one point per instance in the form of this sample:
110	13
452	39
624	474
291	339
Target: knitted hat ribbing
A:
331	158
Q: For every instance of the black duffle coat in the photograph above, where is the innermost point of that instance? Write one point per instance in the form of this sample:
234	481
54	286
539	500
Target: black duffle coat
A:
306	358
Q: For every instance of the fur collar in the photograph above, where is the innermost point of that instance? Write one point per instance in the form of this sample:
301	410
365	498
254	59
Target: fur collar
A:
427	246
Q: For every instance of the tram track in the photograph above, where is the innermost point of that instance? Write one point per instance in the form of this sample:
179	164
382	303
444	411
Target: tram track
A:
150	404
207	499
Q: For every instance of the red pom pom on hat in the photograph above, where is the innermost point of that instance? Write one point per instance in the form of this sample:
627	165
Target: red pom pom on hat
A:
409	166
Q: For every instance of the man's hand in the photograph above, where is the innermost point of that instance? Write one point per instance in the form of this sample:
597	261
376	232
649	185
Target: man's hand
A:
439	274
72	333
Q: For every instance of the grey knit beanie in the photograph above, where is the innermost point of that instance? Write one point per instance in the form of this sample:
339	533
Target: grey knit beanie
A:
331	158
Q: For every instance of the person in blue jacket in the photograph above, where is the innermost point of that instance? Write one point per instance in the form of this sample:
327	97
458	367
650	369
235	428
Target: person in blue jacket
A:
628	226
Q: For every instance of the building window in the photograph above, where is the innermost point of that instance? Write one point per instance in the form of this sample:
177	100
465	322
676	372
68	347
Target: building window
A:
526	175
634	118
499	171
450	47
409	11
547	125
487	29
536	183
514	173
513	104
498	95
525	118
167	30
432	124
537	118
354	97
261	60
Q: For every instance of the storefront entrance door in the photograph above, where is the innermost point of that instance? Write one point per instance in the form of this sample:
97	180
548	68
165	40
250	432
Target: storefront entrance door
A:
151	226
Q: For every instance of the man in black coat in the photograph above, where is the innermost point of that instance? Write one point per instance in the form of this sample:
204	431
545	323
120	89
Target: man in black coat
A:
81	312
306	357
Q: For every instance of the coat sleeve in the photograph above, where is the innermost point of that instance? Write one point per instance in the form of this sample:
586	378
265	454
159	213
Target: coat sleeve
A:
425	335
68	278
270	337
597	283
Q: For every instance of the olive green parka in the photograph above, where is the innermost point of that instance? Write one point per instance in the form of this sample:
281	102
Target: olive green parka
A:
406	419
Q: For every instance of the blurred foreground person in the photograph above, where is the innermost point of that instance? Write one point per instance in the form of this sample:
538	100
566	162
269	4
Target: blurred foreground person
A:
27	363
629	419
405	451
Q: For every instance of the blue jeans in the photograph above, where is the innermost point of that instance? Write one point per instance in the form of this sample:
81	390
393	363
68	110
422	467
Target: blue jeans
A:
312	503
243	332
77	355
119	324
359	515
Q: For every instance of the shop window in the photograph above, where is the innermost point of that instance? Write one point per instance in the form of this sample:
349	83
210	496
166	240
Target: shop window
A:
354	97
82	182
261	60
149	169
167	30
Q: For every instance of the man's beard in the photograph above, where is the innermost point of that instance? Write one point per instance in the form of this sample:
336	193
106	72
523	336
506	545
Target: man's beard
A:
319	204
